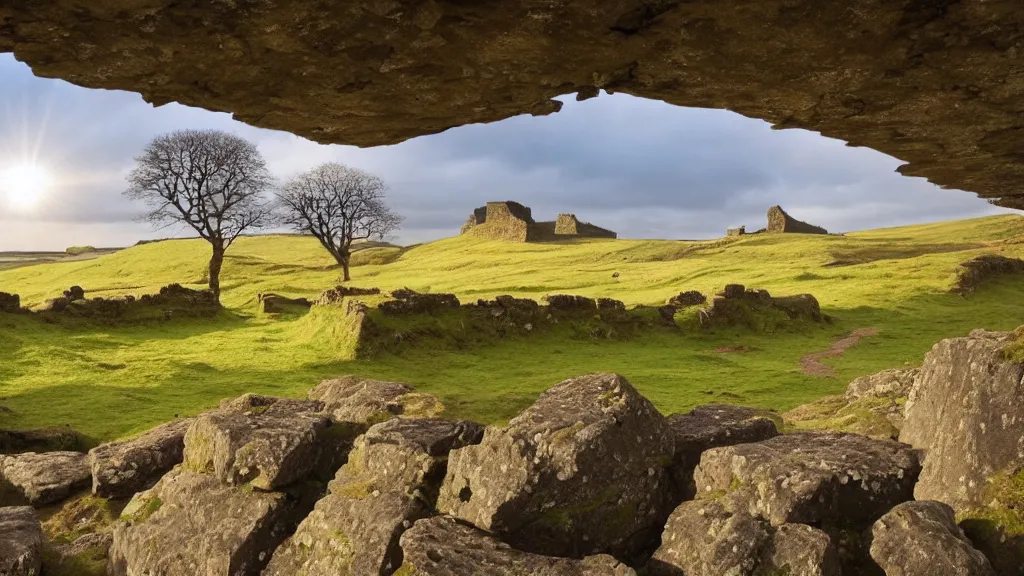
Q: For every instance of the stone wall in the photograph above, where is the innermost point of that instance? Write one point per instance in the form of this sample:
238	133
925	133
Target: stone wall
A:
736	231
514	222
779	222
569	225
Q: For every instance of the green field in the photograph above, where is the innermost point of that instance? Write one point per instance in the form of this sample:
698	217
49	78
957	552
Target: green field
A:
109	381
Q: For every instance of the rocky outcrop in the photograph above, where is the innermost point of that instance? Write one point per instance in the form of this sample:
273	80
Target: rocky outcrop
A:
120	469
357	400
544	483
975	272
779	222
21	542
759	310
712	426
190	524
442	546
687	298
817	478
42	478
10	303
894	383
392	476
55	439
923	538
703	538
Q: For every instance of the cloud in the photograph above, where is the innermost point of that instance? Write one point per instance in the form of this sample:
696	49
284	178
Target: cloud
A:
643	168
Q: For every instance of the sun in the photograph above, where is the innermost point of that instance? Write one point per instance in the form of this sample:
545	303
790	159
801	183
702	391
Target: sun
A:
25	184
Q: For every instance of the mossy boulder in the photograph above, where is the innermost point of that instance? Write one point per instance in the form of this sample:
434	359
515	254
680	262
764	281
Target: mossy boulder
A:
21	542
42	478
923	538
120	469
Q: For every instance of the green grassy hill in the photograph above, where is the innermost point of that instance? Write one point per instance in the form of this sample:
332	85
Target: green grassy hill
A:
110	381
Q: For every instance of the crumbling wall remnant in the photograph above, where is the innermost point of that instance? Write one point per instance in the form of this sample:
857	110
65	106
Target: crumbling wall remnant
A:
779	222
514	222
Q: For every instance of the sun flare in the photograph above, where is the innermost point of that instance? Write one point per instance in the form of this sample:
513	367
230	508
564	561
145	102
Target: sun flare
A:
24	185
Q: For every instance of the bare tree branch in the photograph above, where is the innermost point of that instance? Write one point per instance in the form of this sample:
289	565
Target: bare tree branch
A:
338	205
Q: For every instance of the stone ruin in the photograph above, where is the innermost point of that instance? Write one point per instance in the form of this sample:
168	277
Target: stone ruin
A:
976	271
10	303
173	300
779	222
514	222
366	477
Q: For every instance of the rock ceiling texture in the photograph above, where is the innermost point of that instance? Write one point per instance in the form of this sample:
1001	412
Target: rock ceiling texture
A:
936	83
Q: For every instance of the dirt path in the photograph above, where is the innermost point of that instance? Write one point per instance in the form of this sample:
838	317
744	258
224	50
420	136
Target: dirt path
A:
811	363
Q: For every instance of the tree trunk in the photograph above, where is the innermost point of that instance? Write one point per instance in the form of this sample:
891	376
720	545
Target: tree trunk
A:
342	256
344	268
216	261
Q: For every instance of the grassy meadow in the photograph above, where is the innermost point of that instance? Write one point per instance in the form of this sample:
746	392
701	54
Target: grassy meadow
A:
109	381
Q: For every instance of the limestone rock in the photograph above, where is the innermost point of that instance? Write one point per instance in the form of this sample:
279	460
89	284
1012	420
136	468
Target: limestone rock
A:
258	404
923	538
811	477
367	401
702	538
120	469
391	478
191	524
21	542
442	546
582	470
895	383
268	450
711	426
966	411
44	478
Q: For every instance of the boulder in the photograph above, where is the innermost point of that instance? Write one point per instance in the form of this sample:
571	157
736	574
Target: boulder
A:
799	306
21	542
190	524
10	303
703	538
895	383
266	450
442	546
966	411
582	470
733	291
74	293
923	538
43	478
818	478
258	404
711	426
120	469
392	475
687	298
367	401
570	303
55	439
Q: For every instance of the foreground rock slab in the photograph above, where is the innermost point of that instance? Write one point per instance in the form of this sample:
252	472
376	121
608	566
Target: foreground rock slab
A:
712	426
368	401
923	538
702	538
387	484
44	478
582	470
21	542
442	546
190	524
120	469
811	477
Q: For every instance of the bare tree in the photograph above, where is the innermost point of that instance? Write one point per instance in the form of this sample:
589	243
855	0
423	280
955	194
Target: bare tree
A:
210	180
338	205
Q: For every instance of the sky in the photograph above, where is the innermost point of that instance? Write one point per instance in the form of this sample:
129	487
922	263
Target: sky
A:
643	168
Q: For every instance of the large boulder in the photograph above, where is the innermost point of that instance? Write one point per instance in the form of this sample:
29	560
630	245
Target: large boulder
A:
21	542
120	469
582	470
923	538
711	426
390	481
818	478
894	383
268	450
42	478
702	538
966	411
442	546
190	524
367	401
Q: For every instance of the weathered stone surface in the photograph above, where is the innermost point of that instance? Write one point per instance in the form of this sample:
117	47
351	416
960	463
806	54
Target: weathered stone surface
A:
811	477
43	478
55	439
267	450
270	303
21	542
258	404
966	411
780	222
582	470
923	538
367	401
442	546
10	303
895	383
702	538
934	84
570	303
687	298
190	524
711	426
390	481
120	469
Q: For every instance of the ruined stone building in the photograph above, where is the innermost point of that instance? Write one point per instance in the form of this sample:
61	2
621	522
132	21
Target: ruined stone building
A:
514	222
779	222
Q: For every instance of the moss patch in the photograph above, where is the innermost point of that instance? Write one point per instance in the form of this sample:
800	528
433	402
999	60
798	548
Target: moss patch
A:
86	515
863	416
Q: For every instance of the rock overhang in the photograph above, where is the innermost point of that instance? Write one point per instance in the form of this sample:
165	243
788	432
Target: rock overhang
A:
935	83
